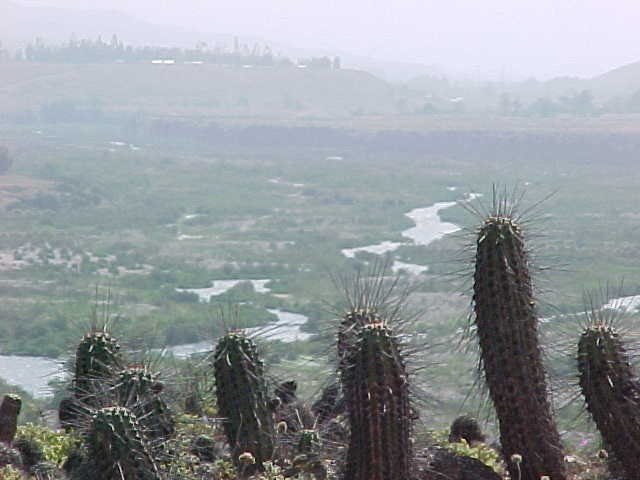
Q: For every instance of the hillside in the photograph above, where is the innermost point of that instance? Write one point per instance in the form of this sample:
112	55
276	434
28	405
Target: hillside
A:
623	80
192	90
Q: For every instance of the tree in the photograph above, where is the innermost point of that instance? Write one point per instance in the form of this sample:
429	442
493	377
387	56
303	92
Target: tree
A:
633	105
4	54
5	159
505	104
580	103
544	107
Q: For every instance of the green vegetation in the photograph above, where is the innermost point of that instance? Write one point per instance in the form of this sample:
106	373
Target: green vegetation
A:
98	51
480	451
55	446
5	159
92	213
98	214
149	198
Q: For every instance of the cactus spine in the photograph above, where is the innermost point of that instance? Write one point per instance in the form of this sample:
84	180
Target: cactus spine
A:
507	330
611	392
241	393
117	448
377	397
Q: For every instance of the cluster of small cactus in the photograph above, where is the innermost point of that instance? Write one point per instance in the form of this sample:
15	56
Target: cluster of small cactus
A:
118	412
97	357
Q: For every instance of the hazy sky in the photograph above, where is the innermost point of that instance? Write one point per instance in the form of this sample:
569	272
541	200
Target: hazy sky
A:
517	37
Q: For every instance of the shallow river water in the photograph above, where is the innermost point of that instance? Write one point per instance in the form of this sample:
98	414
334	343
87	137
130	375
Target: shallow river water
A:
428	228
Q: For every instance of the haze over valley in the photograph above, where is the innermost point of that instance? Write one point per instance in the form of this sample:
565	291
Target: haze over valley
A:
187	172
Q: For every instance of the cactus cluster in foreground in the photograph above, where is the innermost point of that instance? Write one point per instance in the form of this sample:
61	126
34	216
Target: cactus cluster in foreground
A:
362	426
117	412
117	448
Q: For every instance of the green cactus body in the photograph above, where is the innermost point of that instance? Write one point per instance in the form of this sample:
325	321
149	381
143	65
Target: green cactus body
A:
611	392
377	398
96	359
138	389
241	393
507	329
117	448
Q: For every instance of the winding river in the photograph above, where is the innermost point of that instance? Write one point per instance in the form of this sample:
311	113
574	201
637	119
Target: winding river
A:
218	287
33	373
286	329
428	228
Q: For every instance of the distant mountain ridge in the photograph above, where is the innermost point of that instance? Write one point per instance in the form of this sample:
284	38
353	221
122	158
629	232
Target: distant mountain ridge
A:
620	83
20	25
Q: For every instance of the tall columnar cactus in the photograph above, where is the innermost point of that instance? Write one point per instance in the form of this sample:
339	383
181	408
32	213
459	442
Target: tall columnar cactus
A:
611	392
117	448
96	359
377	397
138	389
242	398
507	330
